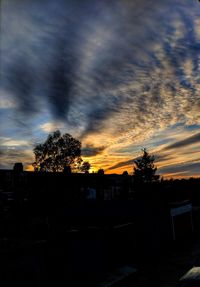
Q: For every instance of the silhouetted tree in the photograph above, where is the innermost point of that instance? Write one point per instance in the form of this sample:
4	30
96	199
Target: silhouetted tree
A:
125	172
100	171
57	153
85	167
144	169
18	167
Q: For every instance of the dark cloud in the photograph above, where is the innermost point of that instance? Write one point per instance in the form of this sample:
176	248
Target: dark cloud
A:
68	50
21	82
60	84
190	168
126	67
158	158
188	141
97	116
90	150
122	164
9	156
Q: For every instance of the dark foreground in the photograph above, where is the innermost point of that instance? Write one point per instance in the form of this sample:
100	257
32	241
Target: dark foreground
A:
96	231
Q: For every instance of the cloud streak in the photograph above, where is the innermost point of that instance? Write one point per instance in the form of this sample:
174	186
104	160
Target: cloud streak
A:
115	73
90	151
186	142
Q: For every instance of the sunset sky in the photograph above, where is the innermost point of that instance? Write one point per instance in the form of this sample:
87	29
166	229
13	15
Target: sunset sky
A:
119	75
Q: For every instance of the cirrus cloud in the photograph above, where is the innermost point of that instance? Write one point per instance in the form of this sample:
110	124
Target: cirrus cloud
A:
115	73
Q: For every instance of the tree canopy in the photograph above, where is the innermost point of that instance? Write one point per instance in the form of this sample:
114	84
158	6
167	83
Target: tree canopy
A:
100	171
144	168
85	167
57	153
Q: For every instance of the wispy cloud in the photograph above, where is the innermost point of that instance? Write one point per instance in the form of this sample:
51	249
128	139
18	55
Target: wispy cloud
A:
187	169
122	164
50	127
10	156
114	73
90	150
186	142
9	142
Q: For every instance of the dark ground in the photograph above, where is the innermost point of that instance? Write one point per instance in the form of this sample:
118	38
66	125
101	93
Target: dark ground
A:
181	258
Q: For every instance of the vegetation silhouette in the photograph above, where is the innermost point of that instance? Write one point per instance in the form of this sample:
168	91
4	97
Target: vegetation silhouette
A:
90	222
125	173
18	167
85	167
58	153
144	168
100	171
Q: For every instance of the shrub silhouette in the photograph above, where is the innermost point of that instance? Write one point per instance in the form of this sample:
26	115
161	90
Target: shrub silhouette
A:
100	171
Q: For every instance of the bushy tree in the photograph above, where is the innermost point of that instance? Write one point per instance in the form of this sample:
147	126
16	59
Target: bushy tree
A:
85	167
57	153
144	168
125	173
100	171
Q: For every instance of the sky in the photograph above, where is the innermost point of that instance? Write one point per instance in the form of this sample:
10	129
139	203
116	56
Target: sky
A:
119	75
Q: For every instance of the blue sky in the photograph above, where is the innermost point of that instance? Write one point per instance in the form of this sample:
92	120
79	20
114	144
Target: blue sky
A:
119	75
